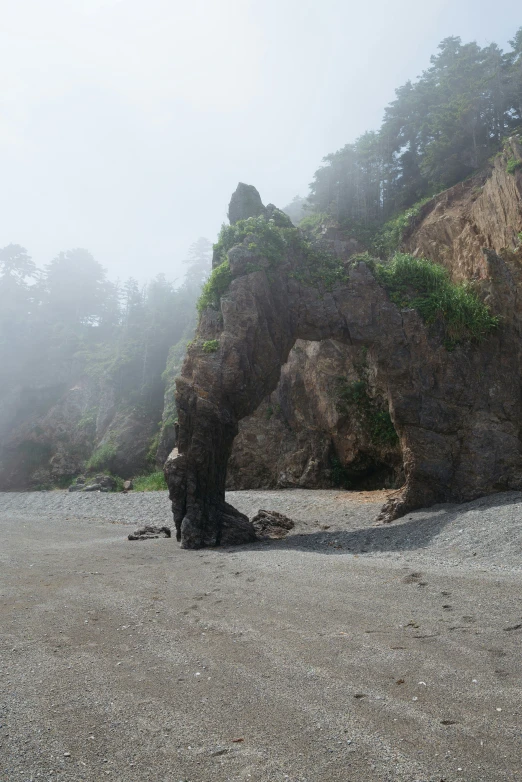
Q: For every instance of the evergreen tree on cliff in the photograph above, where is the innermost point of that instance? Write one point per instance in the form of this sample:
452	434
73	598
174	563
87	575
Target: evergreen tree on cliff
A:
436	132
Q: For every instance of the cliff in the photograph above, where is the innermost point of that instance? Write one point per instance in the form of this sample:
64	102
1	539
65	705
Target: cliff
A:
303	435
63	422
484	212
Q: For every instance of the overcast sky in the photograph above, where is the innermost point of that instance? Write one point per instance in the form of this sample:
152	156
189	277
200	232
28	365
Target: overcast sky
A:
125	125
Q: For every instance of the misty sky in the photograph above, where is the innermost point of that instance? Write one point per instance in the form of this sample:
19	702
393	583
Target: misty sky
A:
126	124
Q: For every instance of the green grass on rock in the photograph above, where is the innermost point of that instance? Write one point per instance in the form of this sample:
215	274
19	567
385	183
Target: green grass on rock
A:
154	481
427	287
101	458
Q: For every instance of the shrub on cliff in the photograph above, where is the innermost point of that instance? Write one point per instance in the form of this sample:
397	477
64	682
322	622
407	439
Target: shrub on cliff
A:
102	457
273	239
375	420
427	287
513	165
267	237
215	287
387	240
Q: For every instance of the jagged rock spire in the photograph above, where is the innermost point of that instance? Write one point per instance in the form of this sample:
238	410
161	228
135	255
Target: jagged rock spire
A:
245	202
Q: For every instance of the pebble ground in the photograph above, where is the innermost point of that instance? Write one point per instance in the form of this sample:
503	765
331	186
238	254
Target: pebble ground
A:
347	652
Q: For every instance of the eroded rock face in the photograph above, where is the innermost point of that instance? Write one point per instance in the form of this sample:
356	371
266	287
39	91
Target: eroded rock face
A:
485	211
306	434
457	414
49	429
299	435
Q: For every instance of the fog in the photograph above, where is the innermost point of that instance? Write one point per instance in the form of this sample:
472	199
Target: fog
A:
125	125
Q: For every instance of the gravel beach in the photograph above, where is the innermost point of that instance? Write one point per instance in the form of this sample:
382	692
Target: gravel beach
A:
346	652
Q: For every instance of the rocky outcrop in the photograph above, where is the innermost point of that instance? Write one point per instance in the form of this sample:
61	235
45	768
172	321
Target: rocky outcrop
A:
309	433
301	435
457	413
245	202
102	482
52	428
149	532
484	212
271	524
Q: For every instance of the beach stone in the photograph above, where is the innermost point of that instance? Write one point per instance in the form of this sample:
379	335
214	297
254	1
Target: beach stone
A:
271	524
148	532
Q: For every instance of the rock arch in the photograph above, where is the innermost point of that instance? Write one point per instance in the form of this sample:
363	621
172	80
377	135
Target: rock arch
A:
323	427
456	438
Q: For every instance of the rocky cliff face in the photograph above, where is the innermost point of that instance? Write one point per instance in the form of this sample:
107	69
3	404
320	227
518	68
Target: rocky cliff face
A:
484	212
457	412
308	433
50	428
319	428
303	435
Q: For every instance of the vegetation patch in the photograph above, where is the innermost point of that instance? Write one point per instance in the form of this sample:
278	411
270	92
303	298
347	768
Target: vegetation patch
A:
172	370
210	346
88	420
389	237
268	238
273	410
34	453
513	165
154	481
427	287
101	458
313	223
62	482
382	430
153	447
273	241
119	482
376	421
348	394
319	267
215	287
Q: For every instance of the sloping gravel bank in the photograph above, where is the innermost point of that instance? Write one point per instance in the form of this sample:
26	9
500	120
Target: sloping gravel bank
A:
484	533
